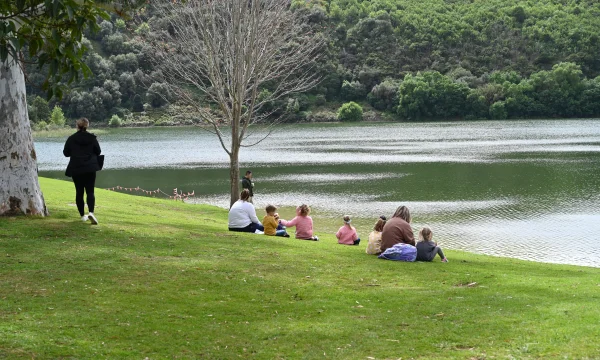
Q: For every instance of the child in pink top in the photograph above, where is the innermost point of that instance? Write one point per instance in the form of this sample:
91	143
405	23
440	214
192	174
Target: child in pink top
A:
347	233
303	224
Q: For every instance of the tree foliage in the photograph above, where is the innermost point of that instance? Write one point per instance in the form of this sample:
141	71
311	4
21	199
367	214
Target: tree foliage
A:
50	32
539	59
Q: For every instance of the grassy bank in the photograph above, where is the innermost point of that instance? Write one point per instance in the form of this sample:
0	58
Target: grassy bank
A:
159	279
63	133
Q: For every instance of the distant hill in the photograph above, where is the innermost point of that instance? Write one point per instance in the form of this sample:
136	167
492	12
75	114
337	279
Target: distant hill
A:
477	58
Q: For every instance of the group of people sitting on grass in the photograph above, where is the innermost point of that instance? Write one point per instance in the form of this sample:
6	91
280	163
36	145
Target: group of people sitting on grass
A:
391	240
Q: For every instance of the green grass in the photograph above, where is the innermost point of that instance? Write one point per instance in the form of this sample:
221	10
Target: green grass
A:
63	133
159	279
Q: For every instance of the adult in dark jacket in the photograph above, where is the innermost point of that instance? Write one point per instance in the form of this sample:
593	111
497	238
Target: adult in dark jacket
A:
83	149
397	229
248	184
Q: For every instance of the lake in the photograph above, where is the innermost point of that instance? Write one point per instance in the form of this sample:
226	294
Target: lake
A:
522	189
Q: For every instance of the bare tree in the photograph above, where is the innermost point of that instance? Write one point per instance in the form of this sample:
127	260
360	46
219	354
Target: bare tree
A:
220	57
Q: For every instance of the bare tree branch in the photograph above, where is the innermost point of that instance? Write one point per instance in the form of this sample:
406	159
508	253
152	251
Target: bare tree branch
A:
228	59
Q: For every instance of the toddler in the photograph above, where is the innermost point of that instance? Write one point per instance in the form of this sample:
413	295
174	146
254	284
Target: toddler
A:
272	227
426	248
347	233
303	223
374	245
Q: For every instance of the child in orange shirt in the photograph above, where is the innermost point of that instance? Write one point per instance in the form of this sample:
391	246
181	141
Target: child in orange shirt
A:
271	223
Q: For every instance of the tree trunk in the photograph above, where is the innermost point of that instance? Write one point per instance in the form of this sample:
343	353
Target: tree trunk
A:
19	187
234	175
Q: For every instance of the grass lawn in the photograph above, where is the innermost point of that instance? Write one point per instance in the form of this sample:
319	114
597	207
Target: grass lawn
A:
159	279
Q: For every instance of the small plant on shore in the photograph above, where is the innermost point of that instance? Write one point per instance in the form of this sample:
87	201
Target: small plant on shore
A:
57	117
115	121
40	126
350	111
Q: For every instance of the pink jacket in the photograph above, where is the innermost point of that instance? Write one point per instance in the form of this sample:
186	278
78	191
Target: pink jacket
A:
303	224
346	235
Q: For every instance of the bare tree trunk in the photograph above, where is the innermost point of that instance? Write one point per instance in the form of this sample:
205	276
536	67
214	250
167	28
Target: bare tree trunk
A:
230	52
19	187
234	176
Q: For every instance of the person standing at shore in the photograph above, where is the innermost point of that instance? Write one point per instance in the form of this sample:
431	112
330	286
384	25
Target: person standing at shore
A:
84	151
248	184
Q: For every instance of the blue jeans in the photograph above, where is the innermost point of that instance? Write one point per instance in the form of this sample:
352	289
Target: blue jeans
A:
357	241
280	233
250	228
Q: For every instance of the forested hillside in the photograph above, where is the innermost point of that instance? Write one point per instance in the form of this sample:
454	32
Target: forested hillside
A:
401	59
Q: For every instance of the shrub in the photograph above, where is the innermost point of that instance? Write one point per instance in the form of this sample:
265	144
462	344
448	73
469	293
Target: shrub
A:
143	29
42	125
120	24
57	117
350	112
115	121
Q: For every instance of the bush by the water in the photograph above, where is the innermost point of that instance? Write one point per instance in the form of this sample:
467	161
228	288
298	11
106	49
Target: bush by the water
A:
350	111
115	121
57	117
40	126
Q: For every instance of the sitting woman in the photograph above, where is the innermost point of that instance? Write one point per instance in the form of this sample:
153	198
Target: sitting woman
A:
242	215
397	230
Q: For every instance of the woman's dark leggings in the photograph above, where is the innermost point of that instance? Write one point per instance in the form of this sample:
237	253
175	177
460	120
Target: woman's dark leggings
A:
250	228
85	182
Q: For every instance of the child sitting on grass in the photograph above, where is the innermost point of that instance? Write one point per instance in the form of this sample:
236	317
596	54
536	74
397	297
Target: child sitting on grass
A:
426	248
303	224
374	245
347	233
271	223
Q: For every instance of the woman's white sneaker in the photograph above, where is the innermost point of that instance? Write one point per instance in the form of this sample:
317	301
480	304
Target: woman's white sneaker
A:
84	218
93	219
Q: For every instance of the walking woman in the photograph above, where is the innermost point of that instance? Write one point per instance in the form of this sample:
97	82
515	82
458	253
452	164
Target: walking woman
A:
84	150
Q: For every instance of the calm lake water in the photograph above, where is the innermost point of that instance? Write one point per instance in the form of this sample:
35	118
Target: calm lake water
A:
523	189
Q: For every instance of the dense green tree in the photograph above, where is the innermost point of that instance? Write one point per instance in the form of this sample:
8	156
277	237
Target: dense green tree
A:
137	103
498	111
384	96
431	95
558	91
353	90
41	108
158	94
